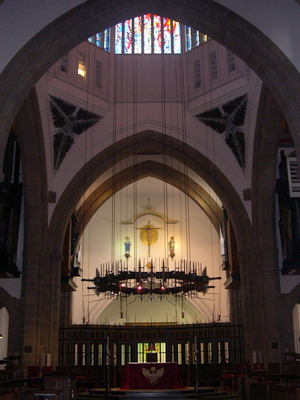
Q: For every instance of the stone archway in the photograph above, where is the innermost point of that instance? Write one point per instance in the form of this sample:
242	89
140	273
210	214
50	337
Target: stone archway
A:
60	36
144	142
46	48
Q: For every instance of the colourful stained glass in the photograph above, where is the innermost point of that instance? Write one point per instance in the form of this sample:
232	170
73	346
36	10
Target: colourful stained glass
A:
204	38
176	37
197	38
188	38
98	39
106	40
128	36
118	38
138	35
157	34
147	34
91	39
167	36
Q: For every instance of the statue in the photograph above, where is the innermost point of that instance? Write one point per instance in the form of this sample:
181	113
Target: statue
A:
172	247
149	235
127	247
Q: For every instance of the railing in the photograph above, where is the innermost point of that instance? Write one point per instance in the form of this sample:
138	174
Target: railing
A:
286	388
87	345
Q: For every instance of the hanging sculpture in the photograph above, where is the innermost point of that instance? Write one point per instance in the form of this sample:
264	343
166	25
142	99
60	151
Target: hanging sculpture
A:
151	277
185	279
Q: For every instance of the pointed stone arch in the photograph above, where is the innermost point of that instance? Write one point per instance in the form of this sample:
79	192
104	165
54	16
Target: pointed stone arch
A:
221	24
143	143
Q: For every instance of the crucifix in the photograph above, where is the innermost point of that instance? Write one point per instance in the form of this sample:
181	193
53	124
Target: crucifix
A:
149	235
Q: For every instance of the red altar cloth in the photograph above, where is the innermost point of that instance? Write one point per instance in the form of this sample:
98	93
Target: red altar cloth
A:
152	376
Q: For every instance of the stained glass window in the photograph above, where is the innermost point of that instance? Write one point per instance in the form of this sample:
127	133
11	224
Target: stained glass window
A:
176	37
147	34
197	39
98	39
204	38
188	38
194	38
106	40
167	36
128	36
138	35
157	34
101	39
118	38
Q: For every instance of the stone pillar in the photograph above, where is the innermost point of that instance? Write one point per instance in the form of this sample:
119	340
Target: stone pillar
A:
41	302
236	315
65	309
261	308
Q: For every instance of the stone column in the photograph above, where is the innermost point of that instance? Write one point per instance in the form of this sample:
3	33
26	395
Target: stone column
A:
236	315
261	308
41	302
65	309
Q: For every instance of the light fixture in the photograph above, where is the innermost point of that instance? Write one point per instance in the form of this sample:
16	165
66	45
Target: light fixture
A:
182	281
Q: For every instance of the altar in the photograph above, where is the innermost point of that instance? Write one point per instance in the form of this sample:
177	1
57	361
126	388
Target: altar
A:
152	376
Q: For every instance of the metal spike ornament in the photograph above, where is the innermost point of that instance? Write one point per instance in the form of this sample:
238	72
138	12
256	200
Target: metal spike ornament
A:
179	281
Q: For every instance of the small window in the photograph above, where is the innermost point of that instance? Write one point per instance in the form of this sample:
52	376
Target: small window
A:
98	74
214	65
231	61
81	65
64	64
176	37
128	37
194	38
188	38
197	74
106	41
118	38
101	39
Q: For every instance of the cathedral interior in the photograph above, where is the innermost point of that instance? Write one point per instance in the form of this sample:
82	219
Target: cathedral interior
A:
149	188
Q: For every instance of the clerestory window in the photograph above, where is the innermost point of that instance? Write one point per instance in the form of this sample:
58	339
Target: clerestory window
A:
101	39
148	34
194	38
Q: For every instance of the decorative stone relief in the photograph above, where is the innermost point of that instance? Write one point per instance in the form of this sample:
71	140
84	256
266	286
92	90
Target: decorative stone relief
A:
228	120
70	121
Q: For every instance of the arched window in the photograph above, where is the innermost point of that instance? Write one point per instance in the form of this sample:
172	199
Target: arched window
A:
149	34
